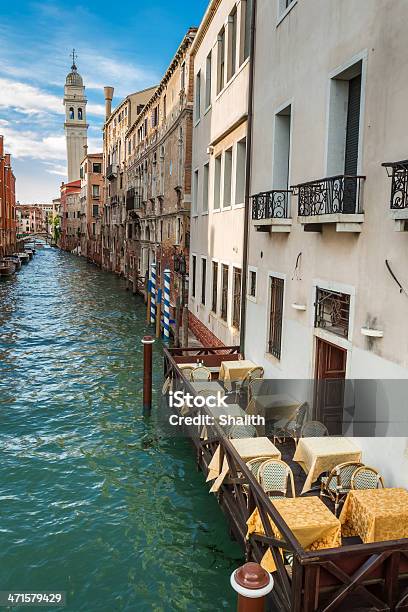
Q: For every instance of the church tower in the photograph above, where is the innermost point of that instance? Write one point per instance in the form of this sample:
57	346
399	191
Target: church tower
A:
75	120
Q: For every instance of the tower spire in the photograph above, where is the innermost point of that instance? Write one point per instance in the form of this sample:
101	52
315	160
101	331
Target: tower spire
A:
74	57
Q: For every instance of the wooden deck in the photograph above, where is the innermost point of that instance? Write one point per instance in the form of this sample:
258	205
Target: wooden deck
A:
354	577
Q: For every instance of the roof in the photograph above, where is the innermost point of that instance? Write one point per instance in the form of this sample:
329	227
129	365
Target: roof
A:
205	24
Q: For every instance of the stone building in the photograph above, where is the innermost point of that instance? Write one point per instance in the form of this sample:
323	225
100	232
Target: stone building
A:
75	121
31	219
158	196
114	166
7	203
91	199
221	73
70	210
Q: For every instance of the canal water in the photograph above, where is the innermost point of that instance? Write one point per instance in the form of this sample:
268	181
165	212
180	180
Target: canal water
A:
92	501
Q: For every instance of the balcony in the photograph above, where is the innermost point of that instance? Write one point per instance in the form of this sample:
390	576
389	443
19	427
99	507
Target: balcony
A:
335	199
398	172
111	173
270	211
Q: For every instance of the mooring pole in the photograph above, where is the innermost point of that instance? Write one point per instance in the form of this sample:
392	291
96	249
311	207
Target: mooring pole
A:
252	583
147	342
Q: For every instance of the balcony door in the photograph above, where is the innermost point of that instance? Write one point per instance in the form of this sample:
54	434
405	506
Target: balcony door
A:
330	375
352	141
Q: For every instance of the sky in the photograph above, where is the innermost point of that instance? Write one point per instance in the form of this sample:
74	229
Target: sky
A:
127	45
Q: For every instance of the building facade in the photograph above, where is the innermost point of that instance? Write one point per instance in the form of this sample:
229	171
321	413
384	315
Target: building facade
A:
221	79
114	163
31	219
158	195
75	121
7	203
70	211
91	199
326	284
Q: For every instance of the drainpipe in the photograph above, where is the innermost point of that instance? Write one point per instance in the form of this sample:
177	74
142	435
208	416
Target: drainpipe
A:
248	179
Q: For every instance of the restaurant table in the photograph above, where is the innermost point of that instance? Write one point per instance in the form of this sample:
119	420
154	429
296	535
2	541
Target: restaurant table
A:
376	515
318	455
231	371
247	448
274	407
208	385
213	369
310	521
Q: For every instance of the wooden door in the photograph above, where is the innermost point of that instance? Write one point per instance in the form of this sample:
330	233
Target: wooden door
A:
329	385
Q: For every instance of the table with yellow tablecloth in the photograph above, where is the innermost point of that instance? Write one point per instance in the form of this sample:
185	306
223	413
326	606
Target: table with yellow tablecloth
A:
376	515
318	455
247	448
231	371
310	521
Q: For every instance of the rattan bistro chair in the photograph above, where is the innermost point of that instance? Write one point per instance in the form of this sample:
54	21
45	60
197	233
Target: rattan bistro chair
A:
366	477
200	373
337	484
242	431
242	387
255	464
291	429
314	429
274	476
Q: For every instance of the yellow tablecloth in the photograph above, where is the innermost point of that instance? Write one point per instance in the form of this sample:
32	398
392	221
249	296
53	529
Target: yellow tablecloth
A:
231	371
317	455
311	522
248	448
278	406
376	515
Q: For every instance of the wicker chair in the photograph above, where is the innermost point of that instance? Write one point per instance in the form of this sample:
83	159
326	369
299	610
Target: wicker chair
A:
255	464
291	429
366	477
253	387
242	431
242	387
274	476
337	484
314	429
186	371
200	373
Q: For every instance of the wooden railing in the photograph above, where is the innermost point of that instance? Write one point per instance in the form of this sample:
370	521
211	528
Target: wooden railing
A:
362	576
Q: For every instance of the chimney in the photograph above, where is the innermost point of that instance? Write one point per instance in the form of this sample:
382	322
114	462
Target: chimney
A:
108	91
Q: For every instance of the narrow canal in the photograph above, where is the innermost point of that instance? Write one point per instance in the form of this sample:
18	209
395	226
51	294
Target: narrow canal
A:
92	501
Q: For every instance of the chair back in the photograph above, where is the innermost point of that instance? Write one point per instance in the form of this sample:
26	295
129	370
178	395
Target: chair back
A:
255	464
342	474
242	431
200	373
313	429
366	477
274	476
253	386
301	414
186	371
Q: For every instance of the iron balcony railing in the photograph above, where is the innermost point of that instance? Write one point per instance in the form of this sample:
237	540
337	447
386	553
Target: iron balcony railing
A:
110	172
329	196
398	171
271	204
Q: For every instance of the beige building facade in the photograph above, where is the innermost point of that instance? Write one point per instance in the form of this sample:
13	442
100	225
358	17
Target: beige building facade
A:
91	199
221	76
324	297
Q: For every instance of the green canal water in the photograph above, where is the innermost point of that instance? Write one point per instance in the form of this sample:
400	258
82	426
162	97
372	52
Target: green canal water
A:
92	501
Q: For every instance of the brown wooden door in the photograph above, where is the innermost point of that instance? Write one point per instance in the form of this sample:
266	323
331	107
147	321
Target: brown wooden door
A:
329	386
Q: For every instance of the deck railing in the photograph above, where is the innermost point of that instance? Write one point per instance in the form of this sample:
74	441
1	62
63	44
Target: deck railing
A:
271	205
331	195
399	184
363	577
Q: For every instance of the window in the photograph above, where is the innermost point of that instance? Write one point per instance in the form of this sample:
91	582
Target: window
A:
214	298
252	284
95	191
281	149
195	192
232	44
236	311
183	76
194	275
206	177
130	231
71	113
164	107
93	229
247	29
276	316
198	96
227	177
217	182
221	61
208	70
80	114
240	172
155	116
97	168
95	210
203	280
224	290
332	311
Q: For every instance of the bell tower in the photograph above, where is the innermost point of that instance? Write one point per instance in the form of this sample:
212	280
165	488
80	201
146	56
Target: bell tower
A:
75	120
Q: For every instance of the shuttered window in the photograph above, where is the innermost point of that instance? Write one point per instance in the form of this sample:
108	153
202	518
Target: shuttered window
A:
276	316
214	287
224	294
236	312
352	139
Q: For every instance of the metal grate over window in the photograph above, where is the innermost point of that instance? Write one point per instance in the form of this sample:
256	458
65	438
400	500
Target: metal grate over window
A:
332	311
276	316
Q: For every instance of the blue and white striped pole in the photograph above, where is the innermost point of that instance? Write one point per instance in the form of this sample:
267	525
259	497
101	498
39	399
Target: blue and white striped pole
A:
153	294
166	305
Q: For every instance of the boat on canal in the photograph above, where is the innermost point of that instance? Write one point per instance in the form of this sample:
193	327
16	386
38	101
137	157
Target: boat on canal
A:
15	260
7	268
29	252
24	257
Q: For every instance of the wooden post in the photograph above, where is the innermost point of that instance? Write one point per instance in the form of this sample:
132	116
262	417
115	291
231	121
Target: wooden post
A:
147	342
185	327
252	583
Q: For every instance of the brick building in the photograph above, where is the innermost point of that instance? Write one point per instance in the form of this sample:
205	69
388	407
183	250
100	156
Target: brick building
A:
158	195
70	216
7	203
91	200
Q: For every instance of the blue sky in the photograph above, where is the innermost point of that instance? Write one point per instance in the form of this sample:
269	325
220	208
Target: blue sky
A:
126	44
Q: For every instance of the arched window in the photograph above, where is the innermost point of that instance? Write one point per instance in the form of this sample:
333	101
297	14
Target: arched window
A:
71	113
80	114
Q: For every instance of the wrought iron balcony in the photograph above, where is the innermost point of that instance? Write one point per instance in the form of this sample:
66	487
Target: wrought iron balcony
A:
398	171
110	172
270	210
335	199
